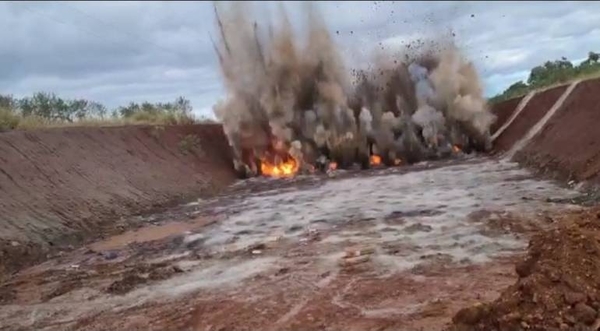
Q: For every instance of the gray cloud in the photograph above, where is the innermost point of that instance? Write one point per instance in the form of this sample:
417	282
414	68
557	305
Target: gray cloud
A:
117	52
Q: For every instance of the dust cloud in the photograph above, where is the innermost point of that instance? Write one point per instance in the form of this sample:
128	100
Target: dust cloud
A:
290	97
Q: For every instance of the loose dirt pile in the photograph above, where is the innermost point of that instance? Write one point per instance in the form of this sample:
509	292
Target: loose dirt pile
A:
558	286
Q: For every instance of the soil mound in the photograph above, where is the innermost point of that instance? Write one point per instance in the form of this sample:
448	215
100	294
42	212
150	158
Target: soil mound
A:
558	286
61	187
568	146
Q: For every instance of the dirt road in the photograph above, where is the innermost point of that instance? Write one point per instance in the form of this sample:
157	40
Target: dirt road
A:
399	248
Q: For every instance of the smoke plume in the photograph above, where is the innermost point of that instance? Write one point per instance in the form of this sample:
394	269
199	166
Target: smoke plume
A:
291	98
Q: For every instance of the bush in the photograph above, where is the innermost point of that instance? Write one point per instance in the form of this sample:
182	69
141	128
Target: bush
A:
8	120
166	118
188	143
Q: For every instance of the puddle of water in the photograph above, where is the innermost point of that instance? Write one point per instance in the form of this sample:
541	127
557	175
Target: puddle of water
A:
146	234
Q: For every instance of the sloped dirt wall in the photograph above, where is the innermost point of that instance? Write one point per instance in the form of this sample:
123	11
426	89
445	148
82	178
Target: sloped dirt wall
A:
569	144
503	111
64	186
535	109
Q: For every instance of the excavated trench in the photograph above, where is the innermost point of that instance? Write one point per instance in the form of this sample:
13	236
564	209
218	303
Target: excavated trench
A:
397	248
352	248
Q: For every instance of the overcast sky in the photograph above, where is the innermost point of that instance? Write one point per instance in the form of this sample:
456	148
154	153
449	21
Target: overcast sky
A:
117	52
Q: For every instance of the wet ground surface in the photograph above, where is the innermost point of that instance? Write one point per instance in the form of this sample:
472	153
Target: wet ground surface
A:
399	248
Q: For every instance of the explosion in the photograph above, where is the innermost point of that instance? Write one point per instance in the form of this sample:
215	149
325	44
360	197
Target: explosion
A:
293	107
279	167
375	160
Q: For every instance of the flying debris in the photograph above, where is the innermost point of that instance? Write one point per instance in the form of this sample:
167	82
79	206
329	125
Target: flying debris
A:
292	106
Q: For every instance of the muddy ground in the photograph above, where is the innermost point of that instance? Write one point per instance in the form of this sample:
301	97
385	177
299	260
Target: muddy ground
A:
388	249
557	285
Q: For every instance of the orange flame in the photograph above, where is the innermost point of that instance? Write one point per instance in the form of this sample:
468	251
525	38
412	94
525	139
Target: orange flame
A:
375	160
333	165
456	149
282	169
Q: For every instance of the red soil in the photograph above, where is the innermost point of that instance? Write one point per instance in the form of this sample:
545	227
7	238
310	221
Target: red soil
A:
557	288
535	109
569	144
503	111
63	185
59	186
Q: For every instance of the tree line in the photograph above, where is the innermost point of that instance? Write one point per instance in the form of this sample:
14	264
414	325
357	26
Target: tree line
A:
552	73
47	108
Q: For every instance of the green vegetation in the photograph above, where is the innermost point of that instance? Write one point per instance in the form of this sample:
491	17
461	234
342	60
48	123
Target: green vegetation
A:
188	143
552	73
157	132
8	120
48	110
